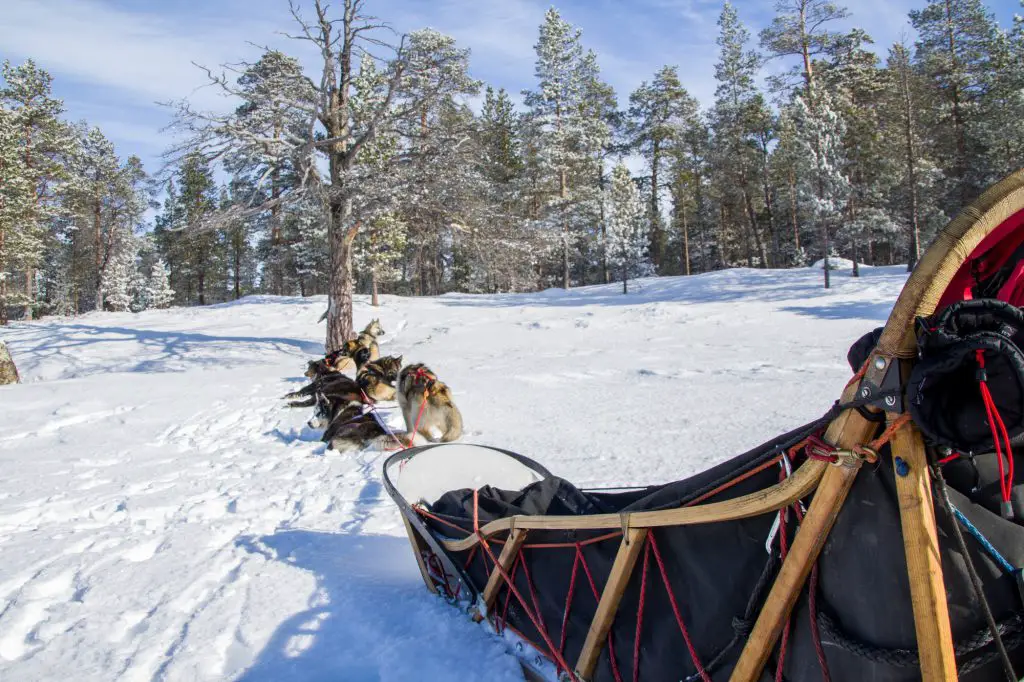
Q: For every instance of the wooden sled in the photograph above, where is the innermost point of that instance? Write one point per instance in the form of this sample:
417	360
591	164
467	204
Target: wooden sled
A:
996	216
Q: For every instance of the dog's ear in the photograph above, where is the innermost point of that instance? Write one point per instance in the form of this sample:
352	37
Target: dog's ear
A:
399	360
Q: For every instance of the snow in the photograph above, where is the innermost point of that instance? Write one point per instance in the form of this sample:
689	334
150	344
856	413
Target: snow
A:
836	263
164	517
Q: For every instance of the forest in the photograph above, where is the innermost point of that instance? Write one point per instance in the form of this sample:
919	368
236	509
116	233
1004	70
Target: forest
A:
389	168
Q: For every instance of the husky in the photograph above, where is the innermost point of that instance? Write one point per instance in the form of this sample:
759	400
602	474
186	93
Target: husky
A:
368	338
333	385
377	379
329	411
417	385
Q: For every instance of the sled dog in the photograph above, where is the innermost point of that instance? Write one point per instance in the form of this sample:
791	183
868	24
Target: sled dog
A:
417	385
377	379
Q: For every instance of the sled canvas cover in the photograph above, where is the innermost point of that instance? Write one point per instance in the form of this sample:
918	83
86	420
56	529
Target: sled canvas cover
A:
718	576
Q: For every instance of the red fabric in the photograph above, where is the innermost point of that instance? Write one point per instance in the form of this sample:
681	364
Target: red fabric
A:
1013	291
993	251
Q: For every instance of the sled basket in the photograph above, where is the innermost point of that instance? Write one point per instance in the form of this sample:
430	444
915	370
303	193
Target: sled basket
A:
834	552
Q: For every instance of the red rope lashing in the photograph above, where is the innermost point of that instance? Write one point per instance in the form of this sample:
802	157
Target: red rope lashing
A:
538	623
640	612
995	422
675	609
508	592
812	605
568	600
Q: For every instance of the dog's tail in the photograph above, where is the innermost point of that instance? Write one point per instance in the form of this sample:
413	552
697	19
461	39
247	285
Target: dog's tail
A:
453	425
308	402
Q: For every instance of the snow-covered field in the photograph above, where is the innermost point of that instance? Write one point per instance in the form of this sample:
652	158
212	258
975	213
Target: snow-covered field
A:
164	517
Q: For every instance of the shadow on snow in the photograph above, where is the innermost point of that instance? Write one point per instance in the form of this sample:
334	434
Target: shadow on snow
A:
369	618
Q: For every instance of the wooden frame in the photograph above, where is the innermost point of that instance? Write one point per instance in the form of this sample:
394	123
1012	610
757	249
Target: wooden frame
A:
830	484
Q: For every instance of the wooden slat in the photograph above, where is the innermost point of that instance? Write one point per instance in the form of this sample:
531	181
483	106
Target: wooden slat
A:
417	550
507	557
849	429
625	560
920	541
799	485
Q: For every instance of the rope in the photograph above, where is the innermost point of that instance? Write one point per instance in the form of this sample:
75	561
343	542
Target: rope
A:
376	415
812	605
640	612
416	427
568	600
982	540
535	619
995	422
979	590
675	609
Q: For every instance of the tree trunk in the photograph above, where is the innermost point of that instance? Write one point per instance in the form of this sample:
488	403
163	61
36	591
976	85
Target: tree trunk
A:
824	241
339	311
374	298
238	271
752	217
793	210
656	238
769	205
563	192
98	256
856	259
606	275
201	286
29	292
686	243
960	162
277	267
3	279
625	278
913	230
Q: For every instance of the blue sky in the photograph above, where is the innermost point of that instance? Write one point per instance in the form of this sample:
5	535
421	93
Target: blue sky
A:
112	60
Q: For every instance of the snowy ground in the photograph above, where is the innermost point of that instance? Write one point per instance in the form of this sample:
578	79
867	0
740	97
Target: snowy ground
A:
164	517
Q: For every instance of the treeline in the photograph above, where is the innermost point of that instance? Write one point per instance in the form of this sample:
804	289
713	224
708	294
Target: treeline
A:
376	175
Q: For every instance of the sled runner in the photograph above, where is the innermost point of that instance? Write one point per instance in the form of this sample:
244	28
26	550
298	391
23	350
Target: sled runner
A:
835	552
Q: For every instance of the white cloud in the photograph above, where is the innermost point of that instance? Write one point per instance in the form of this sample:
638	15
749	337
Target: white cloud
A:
146	55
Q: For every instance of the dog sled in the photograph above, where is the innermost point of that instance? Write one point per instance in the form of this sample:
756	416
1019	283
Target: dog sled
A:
881	542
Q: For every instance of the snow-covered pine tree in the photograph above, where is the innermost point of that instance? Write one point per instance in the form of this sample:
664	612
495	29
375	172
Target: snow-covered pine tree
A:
158	292
379	248
33	131
567	131
659	113
733	124
627	228
504	247
121	276
823	187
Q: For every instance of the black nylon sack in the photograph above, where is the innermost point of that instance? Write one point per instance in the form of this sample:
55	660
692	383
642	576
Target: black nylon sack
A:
943	393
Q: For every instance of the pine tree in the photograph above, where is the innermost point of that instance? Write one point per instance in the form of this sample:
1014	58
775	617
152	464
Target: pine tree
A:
799	30
659	112
568	133
823	188
35	141
957	39
627	228
121	277
378	250
158	291
734	121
